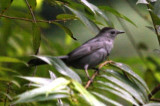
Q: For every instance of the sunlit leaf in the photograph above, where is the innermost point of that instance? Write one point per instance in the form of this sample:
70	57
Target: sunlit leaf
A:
11	60
66	30
36	37
142	2
126	69
87	96
125	86
94	28
118	91
54	90
60	66
38	80
107	99
116	13
152	104
52	75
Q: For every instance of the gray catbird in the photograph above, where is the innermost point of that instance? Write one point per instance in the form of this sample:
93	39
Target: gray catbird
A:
89	54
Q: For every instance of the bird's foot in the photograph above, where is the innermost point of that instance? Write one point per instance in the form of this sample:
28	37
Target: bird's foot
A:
105	63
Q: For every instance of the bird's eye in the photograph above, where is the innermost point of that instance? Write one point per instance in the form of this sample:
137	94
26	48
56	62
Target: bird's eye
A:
112	32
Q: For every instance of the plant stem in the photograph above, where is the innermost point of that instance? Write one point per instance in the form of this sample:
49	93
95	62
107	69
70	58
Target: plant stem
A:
30	20
158	35
154	91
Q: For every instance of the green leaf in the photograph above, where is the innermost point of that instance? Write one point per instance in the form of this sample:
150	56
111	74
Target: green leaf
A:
152	104
53	90
117	91
116	13
38	80
4	4
142	2
61	67
11	60
87	96
155	18
8	69
66	17
107	99
125	85
127	70
66	30
95	10
7	95
36	37
93	27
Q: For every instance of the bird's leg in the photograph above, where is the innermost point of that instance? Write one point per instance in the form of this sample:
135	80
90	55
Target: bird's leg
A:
86	70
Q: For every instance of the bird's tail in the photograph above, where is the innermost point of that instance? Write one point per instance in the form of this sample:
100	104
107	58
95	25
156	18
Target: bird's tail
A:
37	61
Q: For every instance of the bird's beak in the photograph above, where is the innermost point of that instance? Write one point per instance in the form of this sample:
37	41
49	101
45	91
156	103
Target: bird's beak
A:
119	32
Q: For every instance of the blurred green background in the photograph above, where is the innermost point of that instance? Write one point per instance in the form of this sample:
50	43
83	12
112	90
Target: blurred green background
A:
16	37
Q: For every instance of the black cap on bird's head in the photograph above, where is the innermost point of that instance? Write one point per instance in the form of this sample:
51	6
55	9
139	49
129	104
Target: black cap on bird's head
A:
108	31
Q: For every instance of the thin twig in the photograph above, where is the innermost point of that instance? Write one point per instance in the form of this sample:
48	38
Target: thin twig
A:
91	80
31	11
155	100
7	92
97	72
30	20
154	91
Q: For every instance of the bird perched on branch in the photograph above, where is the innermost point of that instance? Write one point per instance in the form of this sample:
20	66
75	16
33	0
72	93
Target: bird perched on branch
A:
91	53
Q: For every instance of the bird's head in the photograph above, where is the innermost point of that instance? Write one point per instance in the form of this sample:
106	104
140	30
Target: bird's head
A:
109	32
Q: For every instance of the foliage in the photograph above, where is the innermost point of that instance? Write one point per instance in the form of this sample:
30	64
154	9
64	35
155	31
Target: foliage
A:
21	35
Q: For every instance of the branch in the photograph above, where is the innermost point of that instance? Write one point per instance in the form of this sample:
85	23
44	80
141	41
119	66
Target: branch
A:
156	100
154	91
30	20
92	78
97	72
31	11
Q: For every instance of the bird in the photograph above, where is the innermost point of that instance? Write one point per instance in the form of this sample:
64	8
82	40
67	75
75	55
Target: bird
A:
89	54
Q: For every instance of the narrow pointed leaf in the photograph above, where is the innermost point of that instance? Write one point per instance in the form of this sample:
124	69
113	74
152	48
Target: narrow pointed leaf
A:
61	67
93	27
107	99
125	86
66	30
36	37
116	13
152	104
127	70
87	96
121	93
66	17
11	60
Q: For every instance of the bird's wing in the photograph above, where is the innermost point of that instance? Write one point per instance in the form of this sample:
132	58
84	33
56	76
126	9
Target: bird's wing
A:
85	50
